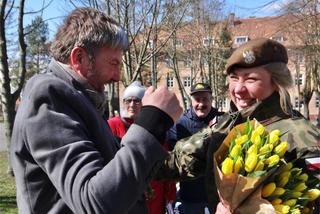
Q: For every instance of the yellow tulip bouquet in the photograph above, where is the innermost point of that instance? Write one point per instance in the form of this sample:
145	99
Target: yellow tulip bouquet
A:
291	190
247	157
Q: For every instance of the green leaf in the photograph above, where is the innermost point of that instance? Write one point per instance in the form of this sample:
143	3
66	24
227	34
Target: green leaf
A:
257	173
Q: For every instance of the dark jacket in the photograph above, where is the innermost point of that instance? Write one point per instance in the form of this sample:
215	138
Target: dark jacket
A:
66	159
187	125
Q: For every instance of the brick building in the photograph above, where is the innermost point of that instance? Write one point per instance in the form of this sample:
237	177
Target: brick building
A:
280	28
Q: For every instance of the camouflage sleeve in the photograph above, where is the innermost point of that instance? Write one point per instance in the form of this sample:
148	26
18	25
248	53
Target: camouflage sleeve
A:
304	143
188	158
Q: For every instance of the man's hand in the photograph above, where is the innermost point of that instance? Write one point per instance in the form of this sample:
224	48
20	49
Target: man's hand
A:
163	99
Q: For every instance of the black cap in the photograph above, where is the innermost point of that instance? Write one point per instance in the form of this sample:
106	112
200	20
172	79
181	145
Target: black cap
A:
200	87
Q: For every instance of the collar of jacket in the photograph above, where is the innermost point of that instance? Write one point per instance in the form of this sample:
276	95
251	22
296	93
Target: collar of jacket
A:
266	112
98	99
213	113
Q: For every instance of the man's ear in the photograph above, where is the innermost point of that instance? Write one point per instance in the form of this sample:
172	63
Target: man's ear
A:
78	60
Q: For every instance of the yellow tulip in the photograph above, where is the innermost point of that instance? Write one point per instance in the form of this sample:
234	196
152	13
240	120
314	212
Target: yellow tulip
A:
283	178
303	177
259	166
295	194
295	211
260	129
253	149
278	191
281	148
282	208
274	136
287	167
290	202
251	162
235	151
227	166
242	139
238	165
276	201
268	189
255	138
300	187
272	160
282	181
266	148
312	194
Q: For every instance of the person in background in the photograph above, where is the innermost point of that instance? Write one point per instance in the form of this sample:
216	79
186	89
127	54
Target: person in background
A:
201	114
160	192
131	107
259	79
64	156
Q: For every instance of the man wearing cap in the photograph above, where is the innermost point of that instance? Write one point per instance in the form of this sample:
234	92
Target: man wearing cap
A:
259	79
198	116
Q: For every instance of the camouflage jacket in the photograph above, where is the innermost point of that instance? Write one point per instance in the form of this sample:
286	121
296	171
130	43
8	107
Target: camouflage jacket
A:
193	156
302	136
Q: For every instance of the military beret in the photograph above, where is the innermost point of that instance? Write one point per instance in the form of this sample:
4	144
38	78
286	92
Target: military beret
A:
257	52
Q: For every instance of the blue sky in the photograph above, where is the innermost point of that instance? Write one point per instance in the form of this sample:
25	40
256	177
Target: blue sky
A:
241	8
258	8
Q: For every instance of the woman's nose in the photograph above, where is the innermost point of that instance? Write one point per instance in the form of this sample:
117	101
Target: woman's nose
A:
240	87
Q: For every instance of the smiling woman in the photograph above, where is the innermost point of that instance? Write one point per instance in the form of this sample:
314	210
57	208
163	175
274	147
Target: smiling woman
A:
258	79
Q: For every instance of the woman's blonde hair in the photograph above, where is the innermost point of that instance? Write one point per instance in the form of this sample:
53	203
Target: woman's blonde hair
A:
282	79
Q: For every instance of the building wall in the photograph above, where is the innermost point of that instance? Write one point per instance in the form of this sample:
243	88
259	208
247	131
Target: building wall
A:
246	29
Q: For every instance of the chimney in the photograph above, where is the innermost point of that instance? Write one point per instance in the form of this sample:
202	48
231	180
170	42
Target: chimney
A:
231	20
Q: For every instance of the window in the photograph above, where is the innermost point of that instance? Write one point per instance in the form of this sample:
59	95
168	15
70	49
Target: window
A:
150	44
317	102
169	62
298	80
222	103
187	63
241	39
169	82
277	38
179	43
187	81
297	104
300	58
207	41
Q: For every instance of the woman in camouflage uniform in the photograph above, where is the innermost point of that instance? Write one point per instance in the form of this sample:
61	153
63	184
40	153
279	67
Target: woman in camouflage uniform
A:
258	79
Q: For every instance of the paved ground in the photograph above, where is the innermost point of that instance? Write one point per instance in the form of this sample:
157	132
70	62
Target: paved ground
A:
3	146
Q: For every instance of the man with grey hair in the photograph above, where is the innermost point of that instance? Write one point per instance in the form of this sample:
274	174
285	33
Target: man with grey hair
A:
65	157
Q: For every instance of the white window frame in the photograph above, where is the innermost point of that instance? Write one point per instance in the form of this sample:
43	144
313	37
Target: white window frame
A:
150	44
187	63
222	103
207	41
244	38
187	81
298	80
296	103
278	38
170	81
179	43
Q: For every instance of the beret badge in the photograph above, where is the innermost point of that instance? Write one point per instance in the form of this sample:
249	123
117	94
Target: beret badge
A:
248	56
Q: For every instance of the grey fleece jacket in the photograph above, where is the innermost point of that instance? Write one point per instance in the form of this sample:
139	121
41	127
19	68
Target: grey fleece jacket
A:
66	159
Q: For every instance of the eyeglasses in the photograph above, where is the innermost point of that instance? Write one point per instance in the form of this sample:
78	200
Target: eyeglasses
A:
135	101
